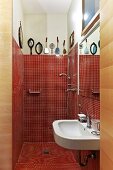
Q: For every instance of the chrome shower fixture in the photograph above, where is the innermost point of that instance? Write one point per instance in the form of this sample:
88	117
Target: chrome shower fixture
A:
64	74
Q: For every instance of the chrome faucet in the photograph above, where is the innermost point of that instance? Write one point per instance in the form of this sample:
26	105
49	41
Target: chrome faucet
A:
88	121
82	117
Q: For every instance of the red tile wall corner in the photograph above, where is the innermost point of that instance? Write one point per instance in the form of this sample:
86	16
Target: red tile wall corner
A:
18	80
41	73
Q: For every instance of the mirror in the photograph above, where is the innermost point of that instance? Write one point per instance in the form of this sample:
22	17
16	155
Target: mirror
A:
90	13
38	48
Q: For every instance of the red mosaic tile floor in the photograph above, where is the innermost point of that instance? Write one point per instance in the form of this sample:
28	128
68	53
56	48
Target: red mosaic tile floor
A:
45	156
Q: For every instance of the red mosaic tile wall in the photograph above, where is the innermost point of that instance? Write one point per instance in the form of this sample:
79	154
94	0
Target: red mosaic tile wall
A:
18	78
89	106
41	73
89	75
72	82
89	99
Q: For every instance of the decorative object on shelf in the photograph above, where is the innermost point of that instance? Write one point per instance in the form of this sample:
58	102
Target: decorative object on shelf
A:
99	43
80	47
30	44
93	48
57	50
20	35
46	50
64	49
52	46
86	51
71	39
38	48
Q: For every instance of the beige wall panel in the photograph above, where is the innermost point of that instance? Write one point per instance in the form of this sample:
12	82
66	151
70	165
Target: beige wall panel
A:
106	164
107	115
105	17
4	47
5	127
107	60
5	16
107	144
5	107
5	88
106	33
106	74
6	119
103	3
107	99
5	85
6	150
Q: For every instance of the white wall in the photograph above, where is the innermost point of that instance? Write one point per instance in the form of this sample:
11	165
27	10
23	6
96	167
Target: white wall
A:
57	26
35	26
17	17
74	19
41	26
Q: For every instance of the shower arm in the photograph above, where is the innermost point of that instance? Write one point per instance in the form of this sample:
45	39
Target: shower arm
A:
64	74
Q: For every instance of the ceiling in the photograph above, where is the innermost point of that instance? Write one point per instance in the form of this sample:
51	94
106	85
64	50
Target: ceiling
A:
46	6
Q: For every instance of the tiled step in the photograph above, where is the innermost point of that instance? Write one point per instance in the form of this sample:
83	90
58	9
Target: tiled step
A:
46	156
28	166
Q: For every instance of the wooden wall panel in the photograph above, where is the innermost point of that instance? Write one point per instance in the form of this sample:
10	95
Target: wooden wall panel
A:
107	164
105	8
107	60
5	84
106	146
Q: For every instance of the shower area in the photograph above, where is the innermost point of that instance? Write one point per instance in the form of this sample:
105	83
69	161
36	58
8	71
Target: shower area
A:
45	98
40	97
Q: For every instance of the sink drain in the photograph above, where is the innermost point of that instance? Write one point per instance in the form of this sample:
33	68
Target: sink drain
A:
46	151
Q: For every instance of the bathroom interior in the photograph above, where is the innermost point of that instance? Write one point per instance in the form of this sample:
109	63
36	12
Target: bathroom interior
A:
56	105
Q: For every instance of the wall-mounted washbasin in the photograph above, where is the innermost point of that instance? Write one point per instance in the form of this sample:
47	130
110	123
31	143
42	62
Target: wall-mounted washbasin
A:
72	134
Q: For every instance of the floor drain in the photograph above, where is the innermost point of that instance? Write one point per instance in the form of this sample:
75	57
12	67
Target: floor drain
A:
46	151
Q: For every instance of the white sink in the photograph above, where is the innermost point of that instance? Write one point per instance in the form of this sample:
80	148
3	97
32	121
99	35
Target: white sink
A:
72	134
